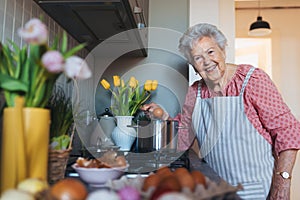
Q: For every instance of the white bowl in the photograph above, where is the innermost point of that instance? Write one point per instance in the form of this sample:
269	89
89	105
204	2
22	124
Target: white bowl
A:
99	176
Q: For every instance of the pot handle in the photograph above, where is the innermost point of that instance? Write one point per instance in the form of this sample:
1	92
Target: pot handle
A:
133	126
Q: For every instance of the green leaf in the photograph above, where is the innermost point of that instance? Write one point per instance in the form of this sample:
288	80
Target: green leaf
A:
64	43
74	50
12	84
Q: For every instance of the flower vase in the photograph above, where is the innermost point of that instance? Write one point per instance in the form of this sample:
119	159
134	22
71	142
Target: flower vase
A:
123	135
36	129
13	160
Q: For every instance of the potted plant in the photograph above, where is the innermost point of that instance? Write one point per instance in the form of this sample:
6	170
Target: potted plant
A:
61	135
27	77
127	98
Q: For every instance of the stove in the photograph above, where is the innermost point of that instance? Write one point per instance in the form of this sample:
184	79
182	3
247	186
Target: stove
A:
149	162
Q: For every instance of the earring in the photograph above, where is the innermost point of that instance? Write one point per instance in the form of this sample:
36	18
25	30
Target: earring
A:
196	73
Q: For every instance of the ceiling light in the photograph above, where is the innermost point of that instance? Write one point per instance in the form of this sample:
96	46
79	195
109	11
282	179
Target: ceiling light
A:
259	27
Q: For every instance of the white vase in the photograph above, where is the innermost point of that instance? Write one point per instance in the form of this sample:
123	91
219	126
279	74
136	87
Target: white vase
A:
122	135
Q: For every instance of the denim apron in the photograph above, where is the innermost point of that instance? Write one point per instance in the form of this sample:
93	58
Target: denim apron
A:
231	145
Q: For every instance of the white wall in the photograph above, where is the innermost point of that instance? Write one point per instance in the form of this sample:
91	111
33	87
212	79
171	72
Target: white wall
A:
285	49
285	61
219	13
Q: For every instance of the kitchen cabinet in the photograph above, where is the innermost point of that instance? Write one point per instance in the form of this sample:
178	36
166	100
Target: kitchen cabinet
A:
93	21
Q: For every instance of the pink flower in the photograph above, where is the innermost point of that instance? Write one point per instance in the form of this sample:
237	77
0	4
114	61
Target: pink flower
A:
34	32
53	61
76	67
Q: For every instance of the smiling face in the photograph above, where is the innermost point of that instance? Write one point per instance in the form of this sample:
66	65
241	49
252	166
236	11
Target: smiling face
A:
209	60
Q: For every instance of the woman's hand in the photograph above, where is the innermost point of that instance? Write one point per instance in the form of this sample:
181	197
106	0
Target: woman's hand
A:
155	111
280	188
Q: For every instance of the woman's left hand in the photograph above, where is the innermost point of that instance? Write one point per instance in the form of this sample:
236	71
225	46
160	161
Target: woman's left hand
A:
280	189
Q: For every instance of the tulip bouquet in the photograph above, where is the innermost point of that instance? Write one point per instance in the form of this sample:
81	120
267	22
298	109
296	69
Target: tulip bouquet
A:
127	97
31	71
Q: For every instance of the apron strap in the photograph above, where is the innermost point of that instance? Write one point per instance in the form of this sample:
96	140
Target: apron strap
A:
251	70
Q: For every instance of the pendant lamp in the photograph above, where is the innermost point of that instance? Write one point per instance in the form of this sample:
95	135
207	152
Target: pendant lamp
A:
259	27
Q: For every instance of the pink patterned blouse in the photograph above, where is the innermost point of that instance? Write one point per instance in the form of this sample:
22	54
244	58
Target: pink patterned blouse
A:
263	105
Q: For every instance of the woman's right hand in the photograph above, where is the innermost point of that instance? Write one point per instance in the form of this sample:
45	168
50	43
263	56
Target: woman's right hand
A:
154	111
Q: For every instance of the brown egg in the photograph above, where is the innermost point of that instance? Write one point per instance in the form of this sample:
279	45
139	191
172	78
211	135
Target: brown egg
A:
151	181
185	178
198	177
158	113
164	172
69	189
166	185
170	182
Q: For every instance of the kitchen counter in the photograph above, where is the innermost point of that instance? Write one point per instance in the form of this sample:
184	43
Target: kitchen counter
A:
197	164
143	164
146	163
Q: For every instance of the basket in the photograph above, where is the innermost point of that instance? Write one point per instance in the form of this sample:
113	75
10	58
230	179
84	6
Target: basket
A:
57	163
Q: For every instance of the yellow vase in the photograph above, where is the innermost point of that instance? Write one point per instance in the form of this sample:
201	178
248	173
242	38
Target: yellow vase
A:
13	160
36	129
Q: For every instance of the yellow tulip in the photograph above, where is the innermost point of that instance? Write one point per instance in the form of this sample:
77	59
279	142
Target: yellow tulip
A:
132	82
105	84
117	81
122	83
147	85
154	85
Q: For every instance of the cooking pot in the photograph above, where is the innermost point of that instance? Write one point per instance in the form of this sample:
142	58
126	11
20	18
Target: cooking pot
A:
156	135
107	122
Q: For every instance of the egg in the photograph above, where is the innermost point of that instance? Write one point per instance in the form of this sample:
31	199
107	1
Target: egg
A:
129	193
14	194
32	185
170	182
158	113
150	181
164	172
159	192
69	189
103	194
185	178
198	177
174	195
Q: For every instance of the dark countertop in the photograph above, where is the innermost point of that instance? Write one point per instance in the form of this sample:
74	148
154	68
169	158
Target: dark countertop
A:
145	163
197	164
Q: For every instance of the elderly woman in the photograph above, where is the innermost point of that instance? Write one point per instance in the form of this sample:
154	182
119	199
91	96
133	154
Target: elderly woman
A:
245	131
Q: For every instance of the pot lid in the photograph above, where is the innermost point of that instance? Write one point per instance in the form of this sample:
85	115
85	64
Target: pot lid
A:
107	113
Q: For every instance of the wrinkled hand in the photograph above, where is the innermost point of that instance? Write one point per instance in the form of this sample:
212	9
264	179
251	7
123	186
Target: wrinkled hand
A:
149	108
280	189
